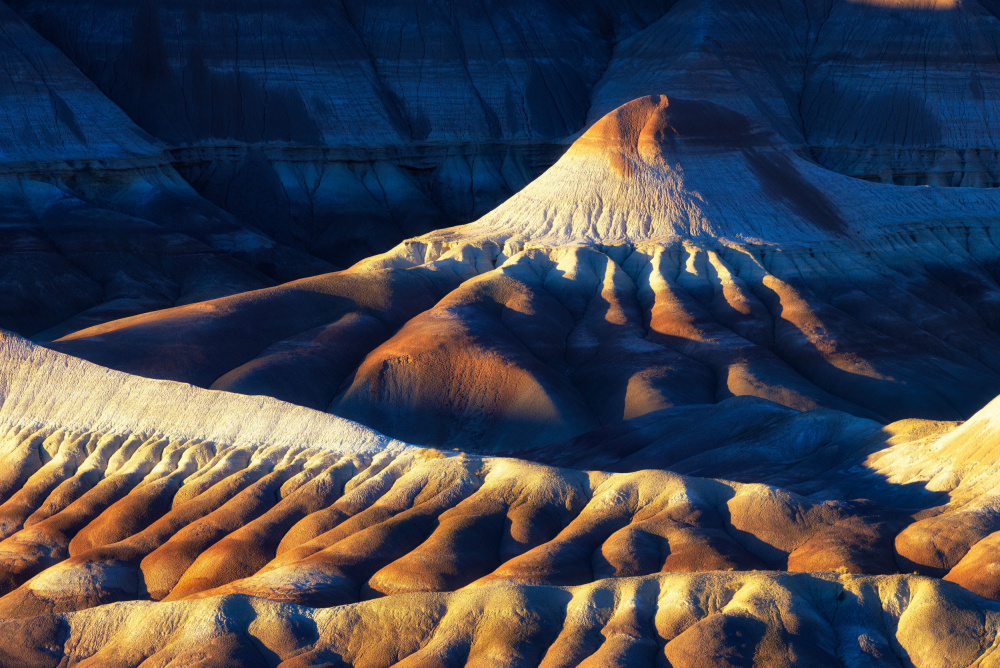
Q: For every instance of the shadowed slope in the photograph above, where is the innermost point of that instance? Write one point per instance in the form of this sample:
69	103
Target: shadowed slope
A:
894	92
96	224
341	128
429	114
52	114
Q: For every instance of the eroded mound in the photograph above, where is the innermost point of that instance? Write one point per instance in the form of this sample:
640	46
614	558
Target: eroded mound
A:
665	166
90	518
462	346
679	254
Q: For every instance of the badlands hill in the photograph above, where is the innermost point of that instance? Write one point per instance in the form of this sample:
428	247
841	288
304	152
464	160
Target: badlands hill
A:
680	253
689	356
146	520
105	219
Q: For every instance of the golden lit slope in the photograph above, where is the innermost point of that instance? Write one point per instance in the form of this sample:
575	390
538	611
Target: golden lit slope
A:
93	517
221	535
711	620
40	388
130	488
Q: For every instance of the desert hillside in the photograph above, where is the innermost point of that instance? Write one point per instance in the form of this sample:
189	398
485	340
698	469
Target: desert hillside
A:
384	333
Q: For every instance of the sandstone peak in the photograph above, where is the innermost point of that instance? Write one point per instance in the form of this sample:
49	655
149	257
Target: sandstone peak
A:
652	131
661	167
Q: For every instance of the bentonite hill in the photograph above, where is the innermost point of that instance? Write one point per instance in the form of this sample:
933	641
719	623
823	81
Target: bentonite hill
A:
380	333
